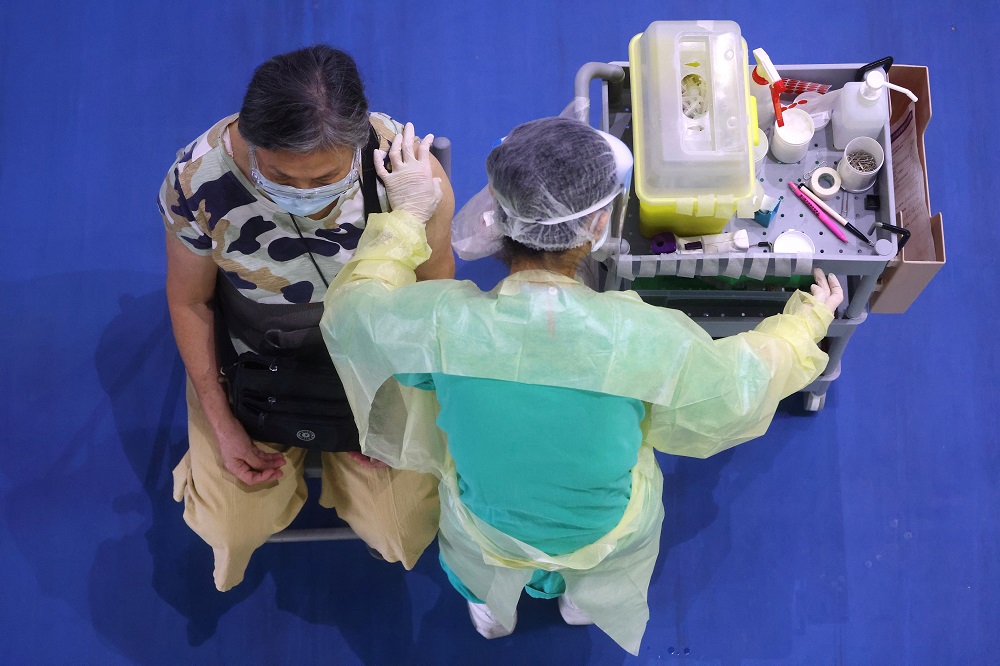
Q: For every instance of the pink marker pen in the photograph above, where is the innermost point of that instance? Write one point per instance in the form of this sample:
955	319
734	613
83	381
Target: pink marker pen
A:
823	217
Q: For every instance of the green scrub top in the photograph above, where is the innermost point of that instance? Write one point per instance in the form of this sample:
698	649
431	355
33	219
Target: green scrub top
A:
546	465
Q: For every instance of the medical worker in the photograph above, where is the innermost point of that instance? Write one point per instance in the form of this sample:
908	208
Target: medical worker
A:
538	404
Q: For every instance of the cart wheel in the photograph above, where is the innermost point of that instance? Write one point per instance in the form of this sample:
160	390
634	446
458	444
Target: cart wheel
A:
813	402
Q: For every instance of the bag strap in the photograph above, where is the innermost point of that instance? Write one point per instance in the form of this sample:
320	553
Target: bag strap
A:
369	178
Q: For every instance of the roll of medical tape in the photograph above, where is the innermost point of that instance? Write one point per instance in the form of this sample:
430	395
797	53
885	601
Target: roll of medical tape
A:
825	192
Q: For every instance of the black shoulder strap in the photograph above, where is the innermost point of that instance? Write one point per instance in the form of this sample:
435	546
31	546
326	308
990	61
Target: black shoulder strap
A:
369	190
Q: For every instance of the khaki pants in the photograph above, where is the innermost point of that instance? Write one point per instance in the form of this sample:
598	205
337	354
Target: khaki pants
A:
394	511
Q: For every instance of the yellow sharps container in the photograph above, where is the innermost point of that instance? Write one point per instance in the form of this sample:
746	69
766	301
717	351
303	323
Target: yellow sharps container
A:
694	126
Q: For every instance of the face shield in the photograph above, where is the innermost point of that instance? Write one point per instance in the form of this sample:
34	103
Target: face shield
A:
623	174
479	227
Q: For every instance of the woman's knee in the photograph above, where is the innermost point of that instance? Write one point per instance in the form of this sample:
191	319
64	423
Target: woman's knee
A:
243	520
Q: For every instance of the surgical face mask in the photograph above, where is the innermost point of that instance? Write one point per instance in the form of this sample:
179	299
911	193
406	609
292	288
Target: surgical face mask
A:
304	202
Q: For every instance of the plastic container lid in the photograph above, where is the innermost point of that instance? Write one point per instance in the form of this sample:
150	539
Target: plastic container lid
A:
793	242
691	111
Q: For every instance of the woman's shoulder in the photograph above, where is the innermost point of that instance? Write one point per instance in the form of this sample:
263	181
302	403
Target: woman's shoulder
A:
201	160
209	139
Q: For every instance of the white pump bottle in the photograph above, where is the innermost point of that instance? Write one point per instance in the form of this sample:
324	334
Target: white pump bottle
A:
863	108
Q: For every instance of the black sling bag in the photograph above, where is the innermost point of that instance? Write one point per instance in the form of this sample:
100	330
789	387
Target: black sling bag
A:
287	391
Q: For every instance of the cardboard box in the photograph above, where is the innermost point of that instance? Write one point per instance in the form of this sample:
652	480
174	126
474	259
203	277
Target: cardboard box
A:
924	254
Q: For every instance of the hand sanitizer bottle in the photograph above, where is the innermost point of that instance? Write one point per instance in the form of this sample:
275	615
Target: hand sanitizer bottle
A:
863	108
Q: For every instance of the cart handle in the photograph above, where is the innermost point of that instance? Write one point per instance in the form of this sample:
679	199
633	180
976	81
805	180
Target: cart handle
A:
613	74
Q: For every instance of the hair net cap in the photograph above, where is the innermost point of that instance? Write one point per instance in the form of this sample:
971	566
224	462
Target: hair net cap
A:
551	178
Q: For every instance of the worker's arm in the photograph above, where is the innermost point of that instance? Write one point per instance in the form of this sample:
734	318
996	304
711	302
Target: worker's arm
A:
728	390
366	295
390	252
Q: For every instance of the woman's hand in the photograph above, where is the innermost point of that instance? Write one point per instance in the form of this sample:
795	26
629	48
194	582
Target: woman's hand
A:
827	289
410	186
366	461
244	460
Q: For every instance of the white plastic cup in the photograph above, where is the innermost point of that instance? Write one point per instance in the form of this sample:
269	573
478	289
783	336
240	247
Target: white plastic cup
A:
790	142
858	181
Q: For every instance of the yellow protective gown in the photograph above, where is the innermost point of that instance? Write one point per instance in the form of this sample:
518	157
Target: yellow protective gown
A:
538	327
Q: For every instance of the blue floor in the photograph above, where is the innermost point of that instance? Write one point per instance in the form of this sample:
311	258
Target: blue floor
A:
866	534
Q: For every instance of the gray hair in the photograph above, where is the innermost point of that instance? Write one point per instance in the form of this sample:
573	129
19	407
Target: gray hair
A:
307	100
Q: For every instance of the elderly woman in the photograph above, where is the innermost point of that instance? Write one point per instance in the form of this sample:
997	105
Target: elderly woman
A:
262	211
539	403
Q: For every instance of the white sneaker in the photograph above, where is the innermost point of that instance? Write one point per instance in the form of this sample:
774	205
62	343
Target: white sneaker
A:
487	625
571	613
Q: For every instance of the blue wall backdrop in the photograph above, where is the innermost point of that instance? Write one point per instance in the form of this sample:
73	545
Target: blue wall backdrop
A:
865	534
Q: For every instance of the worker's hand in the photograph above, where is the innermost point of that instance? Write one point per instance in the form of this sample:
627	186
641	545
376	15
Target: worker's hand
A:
411	186
244	460
827	289
365	461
